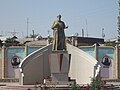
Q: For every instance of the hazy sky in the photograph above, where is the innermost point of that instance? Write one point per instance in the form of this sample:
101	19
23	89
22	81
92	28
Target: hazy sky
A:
90	15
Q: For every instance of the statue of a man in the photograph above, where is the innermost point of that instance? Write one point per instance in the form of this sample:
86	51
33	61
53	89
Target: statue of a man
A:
58	34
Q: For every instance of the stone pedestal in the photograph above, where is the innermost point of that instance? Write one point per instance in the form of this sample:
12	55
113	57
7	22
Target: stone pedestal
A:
59	65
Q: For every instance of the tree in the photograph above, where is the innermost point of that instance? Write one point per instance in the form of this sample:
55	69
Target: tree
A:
12	41
33	36
97	84
119	21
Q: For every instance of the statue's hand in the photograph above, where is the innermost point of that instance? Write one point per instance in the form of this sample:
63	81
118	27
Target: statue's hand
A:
66	27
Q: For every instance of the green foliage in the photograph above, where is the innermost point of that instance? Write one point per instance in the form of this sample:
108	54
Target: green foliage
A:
97	83
118	26
119	21
12	40
75	86
109	43
1	42
33	36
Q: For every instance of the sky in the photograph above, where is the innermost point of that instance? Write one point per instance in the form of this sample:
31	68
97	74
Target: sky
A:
90	15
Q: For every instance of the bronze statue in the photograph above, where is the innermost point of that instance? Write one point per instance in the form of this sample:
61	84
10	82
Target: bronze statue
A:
58	34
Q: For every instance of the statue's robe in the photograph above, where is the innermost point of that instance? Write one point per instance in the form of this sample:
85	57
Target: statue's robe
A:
58	35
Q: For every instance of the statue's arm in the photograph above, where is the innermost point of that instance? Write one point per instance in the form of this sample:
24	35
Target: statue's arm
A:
54	25
65	27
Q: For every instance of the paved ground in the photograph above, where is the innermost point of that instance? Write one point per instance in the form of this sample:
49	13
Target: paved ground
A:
16	86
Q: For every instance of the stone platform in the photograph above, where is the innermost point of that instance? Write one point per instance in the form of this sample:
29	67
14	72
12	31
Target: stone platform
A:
59	66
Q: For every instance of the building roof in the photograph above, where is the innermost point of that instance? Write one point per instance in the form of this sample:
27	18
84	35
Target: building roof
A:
90	40
37	43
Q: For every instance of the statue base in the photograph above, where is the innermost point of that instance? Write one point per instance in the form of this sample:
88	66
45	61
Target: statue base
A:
59	66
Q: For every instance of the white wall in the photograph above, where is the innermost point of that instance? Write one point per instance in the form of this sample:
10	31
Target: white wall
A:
81	66
35	67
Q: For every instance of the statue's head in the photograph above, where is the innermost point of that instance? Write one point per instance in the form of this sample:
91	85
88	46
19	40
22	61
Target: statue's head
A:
59	17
